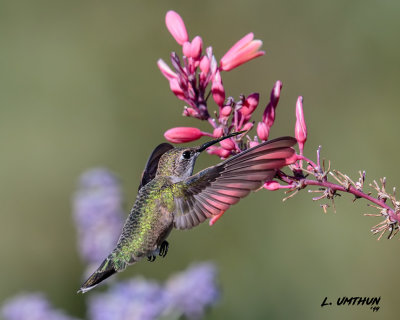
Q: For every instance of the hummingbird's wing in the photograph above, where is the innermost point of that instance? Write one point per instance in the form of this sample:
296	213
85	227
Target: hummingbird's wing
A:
152	163
213	190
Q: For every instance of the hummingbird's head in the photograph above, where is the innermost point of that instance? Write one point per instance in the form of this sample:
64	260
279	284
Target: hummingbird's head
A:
179	162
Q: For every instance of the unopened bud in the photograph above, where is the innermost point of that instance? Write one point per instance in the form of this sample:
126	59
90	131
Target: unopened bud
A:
217	90
262	131
250	104
183	134
272	185
176	27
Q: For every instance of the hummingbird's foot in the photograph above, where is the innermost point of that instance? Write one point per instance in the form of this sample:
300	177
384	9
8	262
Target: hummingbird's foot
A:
164	249
151	258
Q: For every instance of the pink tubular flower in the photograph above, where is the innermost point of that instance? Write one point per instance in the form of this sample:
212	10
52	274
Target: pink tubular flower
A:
226	111
166	70
248	126
273	186
184	134
253	144
217	90
250	104
196	47
220	152
300	129
204	65
242	51
176	27
176	89
189	112
228	144
269	113
218	132
262	131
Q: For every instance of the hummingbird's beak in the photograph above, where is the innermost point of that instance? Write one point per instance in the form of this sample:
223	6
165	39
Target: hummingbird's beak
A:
210	143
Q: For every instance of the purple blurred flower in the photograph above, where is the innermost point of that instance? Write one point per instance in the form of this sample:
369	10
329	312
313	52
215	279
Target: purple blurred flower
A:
193	290
186	294
32	306
134	299
98	214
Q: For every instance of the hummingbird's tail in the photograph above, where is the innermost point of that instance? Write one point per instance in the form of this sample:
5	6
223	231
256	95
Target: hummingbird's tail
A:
105	270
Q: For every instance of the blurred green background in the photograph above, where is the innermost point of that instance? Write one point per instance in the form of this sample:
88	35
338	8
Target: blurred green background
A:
79	87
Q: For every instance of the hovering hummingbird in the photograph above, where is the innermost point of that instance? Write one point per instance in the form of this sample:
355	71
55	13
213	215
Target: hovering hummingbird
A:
170	197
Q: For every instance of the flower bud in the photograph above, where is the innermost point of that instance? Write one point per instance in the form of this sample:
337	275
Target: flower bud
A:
250	104
300	129
176	88
248	126
190	112
262	131
220	152
226	111
242	51
166	70
272	185
186	49
217	90
176	27
218	132
195	47
204	65
183	134
228	144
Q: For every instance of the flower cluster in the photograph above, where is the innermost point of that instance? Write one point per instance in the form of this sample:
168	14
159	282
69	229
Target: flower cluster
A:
189	82
97	207
32	306
199	76
187	294
99	215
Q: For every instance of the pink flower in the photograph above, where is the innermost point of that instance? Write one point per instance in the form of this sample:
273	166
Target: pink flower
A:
300	129
190	112
204	65
166	70
262	131
250	104
184	134
217	90
228	144
196	47
242	51
253	144
248	126
176	89
176	27
220	152
226	111
272	185
269	113
218	132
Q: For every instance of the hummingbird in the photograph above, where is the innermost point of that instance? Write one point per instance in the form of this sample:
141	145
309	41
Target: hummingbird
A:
170	196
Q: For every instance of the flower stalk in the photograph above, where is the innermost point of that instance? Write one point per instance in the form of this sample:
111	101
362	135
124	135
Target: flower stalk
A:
200	76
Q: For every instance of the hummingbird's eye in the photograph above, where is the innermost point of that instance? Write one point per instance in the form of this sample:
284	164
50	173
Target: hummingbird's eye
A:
186	155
